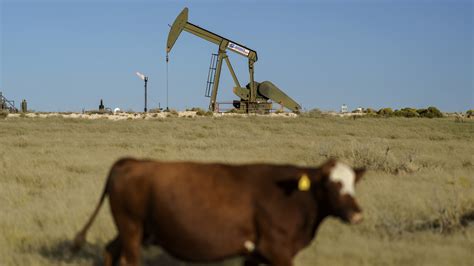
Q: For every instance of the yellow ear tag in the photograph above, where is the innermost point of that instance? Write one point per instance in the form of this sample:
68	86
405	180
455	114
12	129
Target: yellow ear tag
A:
304	184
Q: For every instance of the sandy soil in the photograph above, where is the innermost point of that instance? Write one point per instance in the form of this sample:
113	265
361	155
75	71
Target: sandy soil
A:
131	116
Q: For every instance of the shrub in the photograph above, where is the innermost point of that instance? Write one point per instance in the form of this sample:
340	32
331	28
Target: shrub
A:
385	112
199	111
431	112
313	113
155	111
195	109
370	111
435	111
406	112
173	112
470	113
3	114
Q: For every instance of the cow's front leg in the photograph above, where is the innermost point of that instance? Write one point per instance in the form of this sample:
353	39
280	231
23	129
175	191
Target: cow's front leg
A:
279	257
282	261
275	245
255	259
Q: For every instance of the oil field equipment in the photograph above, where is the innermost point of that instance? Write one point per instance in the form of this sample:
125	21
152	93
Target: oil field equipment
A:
24	106
145	79
6	104
255	97
101	106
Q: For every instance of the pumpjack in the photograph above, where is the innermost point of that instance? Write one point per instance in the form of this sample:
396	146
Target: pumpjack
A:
255	97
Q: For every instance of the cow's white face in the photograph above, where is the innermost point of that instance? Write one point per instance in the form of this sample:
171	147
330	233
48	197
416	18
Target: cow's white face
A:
346	176
340	189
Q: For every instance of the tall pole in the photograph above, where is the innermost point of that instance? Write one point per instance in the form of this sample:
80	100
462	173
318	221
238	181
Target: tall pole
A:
167	62
146	81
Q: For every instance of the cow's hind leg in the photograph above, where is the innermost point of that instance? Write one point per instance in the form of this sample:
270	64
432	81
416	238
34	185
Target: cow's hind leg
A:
131	238
112	252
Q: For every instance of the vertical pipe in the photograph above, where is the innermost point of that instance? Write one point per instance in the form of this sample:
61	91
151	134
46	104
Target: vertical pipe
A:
146	81
167	85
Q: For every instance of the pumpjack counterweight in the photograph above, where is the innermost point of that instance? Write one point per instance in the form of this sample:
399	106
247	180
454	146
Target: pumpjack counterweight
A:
252	97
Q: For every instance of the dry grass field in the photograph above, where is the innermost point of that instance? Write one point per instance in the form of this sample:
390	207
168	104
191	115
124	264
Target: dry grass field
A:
418	196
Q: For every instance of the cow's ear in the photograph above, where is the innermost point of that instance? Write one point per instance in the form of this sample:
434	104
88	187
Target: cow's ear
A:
288	186
326	168
359	172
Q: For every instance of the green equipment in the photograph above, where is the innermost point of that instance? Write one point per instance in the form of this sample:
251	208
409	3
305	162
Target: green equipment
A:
255	97
24	106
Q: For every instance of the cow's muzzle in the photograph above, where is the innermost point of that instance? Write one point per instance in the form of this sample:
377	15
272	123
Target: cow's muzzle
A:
356	217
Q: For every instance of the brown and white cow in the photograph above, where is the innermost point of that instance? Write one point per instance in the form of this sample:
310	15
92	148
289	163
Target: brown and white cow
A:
208	212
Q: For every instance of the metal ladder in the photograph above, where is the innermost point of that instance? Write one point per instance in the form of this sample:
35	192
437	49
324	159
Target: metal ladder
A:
210	75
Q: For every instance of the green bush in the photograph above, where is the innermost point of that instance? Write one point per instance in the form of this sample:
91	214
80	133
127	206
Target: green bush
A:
385	112
370	111
199	111
430	112
155	110
204	113
195	109
313	113
470	112
406	112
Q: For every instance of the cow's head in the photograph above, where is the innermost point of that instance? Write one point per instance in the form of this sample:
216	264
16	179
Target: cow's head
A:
333	186
337	186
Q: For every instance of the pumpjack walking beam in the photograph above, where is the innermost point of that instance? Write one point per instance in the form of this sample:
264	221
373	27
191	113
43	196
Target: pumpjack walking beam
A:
181	23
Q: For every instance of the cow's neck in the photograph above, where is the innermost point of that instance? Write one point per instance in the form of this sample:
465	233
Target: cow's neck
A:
313	216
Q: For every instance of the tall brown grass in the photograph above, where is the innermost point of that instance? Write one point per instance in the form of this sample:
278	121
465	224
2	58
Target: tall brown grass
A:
418	196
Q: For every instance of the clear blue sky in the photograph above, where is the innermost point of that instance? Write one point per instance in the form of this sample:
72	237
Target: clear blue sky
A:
66	55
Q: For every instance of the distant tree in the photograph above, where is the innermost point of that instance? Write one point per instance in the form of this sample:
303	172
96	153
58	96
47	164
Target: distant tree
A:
406	112
370	111
385	112
430	112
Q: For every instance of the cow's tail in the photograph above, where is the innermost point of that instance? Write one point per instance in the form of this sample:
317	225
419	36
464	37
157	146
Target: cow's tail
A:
80	238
